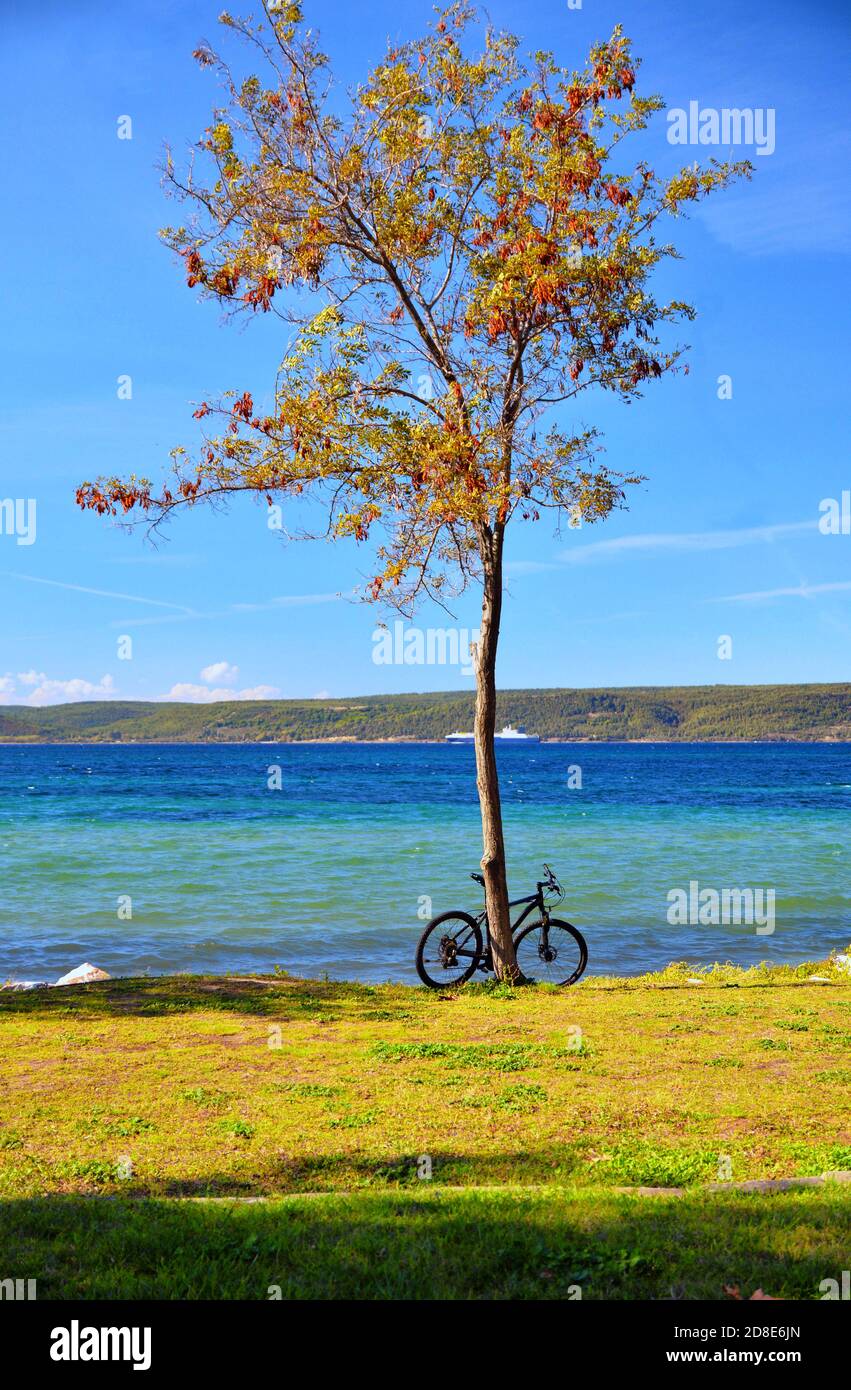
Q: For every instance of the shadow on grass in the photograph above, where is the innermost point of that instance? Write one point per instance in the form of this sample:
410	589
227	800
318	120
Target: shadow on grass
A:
434	1244
168	995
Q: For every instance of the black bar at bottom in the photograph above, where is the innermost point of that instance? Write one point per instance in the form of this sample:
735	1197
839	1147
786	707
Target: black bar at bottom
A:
220	1339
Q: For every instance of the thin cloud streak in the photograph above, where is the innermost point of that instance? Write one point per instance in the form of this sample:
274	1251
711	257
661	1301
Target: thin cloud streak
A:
795	591
284	601
101	593
693	541
237	609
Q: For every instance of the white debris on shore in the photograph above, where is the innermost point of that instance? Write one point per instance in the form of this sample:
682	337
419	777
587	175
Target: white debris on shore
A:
83	975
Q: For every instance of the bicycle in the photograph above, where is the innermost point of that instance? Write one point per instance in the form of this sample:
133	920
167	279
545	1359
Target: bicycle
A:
455	945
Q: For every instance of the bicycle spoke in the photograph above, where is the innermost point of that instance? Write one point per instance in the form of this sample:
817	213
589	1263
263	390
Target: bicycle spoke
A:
449	951
551	960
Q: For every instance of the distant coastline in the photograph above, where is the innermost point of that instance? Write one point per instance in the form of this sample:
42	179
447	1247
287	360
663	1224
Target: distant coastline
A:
396	742
640	714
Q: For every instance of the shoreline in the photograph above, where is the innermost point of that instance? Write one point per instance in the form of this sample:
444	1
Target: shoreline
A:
413	742
833	969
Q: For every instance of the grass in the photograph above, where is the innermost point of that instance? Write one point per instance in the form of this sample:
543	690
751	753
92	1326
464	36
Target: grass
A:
530	1109
516	1243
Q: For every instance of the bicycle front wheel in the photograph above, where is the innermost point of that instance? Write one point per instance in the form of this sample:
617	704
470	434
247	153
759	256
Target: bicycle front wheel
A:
450	949
553	955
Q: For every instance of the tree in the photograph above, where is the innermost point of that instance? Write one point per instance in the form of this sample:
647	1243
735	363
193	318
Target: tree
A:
459	252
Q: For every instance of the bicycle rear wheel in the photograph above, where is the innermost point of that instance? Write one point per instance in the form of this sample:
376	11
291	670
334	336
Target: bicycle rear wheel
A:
450	949
556	955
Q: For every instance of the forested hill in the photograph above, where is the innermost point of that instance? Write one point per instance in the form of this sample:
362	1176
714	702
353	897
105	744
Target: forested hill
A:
664	713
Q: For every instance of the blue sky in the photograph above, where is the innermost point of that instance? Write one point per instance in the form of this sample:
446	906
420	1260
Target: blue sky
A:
723	539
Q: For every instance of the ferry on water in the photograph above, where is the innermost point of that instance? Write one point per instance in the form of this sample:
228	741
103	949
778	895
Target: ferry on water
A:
509	735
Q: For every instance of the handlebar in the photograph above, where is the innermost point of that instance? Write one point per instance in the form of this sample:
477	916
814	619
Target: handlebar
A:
549	882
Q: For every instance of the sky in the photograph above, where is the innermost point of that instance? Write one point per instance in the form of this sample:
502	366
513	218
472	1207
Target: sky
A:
721	571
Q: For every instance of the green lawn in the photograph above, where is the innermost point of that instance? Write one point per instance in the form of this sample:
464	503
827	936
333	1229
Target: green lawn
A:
530	1109
558	1242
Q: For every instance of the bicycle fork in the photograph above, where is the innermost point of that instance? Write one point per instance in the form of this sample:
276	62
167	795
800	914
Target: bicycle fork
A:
486	963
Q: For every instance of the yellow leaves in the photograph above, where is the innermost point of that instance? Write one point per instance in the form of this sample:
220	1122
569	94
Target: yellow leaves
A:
683	188
290	13
351	165
221	138
460	195
691	183
286	19
326	321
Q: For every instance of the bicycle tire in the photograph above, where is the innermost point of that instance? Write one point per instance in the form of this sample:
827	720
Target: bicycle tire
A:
547	977
465	921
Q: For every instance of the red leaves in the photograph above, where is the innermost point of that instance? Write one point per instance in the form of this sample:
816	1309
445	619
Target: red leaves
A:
497	324
194	267
546	291
621	197
260	295
202	410
91	497
544	116
225	281
643	368
243	407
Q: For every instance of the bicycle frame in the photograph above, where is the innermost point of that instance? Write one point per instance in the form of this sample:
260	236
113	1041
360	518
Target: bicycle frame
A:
456	941
534	900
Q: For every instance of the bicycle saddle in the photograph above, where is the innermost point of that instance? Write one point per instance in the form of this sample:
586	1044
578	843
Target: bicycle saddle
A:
478	878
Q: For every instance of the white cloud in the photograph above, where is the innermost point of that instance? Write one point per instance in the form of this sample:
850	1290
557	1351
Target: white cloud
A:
259	692
41	690
219	671
204	694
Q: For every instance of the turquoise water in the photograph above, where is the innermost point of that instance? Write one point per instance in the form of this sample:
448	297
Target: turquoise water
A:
330	872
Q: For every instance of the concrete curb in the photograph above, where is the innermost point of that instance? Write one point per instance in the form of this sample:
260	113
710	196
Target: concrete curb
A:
749	1185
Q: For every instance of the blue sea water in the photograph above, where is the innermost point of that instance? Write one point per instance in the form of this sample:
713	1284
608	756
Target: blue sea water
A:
329	873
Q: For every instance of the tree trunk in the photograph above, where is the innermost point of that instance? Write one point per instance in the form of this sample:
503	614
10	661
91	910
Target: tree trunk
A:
487	779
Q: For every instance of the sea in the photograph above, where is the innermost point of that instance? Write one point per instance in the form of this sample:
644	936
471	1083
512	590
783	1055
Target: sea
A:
328	859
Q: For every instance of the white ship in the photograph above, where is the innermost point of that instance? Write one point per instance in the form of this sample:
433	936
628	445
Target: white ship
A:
509	735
